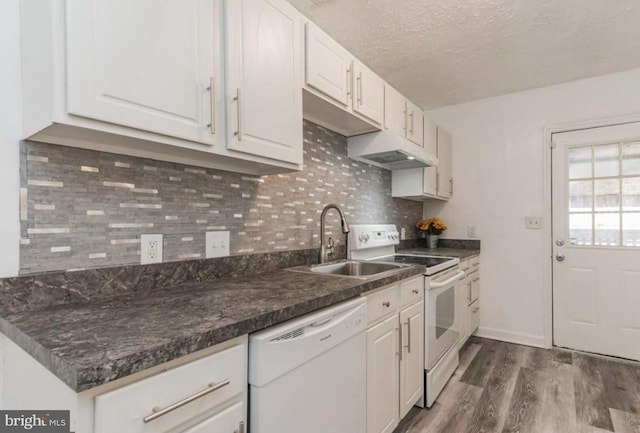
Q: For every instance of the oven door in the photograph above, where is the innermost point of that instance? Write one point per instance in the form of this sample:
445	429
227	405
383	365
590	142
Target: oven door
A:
440	314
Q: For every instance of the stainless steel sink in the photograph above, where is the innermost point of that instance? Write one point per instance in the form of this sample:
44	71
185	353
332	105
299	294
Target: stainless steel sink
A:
352	268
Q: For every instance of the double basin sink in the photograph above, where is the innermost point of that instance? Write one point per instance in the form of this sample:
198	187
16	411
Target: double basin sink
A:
352	268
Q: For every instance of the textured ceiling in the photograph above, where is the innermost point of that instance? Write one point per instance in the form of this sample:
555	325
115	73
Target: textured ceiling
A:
443	52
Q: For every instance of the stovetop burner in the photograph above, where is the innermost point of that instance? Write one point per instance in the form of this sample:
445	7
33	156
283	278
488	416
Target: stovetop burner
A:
427	261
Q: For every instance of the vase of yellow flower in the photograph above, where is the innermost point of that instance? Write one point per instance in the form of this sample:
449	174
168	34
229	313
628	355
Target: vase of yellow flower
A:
431	229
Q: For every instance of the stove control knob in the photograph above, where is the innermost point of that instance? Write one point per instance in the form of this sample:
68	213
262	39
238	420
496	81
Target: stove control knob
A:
366	237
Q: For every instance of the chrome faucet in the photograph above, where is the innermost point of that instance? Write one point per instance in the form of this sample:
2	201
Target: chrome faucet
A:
327	250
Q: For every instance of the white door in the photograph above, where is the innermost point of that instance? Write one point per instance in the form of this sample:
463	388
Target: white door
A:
382	376
264	79
412	363
368	93
596	240
146	64
328	66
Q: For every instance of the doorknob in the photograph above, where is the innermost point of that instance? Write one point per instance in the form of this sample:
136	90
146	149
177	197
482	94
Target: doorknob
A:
559	242
560	257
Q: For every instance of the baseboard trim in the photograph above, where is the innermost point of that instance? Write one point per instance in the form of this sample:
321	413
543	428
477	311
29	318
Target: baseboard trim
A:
511	337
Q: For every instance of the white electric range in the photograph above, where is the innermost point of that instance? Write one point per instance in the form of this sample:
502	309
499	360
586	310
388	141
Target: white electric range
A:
377	242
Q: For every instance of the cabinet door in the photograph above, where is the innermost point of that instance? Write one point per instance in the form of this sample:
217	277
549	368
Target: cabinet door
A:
368	93
445	181
462	310
382	376
328	66
395	107
264	61
474	317
230	420
145	64
415	125
430	136
412	363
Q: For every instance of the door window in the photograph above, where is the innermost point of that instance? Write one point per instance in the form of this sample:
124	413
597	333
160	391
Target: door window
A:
604	195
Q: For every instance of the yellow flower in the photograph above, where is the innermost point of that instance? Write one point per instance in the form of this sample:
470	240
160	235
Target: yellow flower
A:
433	226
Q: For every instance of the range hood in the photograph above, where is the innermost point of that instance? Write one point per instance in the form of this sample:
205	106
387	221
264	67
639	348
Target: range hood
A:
388	150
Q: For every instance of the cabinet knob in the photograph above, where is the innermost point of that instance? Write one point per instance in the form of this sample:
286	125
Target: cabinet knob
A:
386	304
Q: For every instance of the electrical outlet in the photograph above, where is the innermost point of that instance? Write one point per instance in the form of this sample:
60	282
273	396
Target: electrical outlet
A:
533	222
151	249
216	244
403	233
472	231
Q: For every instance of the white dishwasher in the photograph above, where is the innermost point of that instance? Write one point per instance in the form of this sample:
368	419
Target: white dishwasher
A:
309	374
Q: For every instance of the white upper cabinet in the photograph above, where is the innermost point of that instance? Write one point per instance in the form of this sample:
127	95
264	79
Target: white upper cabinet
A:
368	93
415	123
395	111
328	66
136	64
264	69
211	83
404	117
341	93
431	182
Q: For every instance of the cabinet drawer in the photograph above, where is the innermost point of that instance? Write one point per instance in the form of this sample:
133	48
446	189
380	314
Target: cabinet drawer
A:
382	303
474	317
474	291
411	290
124	409
474	263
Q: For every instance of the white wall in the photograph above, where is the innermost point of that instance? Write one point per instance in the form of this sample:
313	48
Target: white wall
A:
10	115
499	178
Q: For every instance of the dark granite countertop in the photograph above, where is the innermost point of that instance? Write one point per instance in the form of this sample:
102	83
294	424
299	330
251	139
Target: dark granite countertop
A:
461	253
95	342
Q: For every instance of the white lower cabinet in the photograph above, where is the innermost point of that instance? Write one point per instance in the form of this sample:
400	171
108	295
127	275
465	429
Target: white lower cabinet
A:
382	376
412	362
395	353
225	421
468	302
202	392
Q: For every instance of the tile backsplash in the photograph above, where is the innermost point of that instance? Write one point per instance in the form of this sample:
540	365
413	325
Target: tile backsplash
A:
87	209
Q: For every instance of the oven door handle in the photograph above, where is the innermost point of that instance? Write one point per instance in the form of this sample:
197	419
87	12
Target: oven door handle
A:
440	284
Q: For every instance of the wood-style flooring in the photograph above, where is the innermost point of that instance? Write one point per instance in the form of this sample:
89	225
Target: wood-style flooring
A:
508	388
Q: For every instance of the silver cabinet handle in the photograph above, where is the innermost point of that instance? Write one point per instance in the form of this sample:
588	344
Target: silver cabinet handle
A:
359	88
386	304
560	257
348	84
238	100
411	116
157	412
212	95
409	335
400	341
240	428
476	279
451	185
468	294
